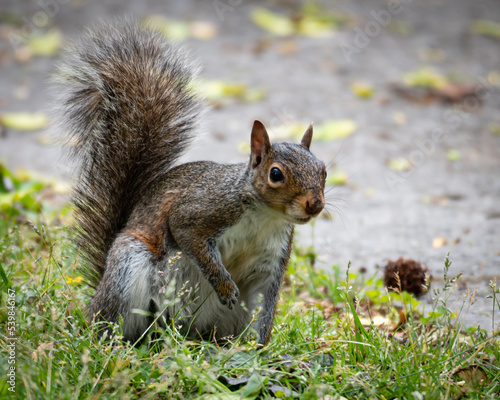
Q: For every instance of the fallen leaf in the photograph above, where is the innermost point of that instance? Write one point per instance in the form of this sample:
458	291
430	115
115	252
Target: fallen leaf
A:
471	378
439	242
171	29
311	21
425	77
486	28
253	95
215	90
24	121
448	93
244	148
202	30
315	27
47	44
400	27
334	129
453	155
495	129
40	351
369	192
429	54
328	130
399	118
362	90
494	77
274	23
399	164
288	47
336	177
454	92
23	54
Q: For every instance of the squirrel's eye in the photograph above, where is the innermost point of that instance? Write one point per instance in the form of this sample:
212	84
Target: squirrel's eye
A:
276	175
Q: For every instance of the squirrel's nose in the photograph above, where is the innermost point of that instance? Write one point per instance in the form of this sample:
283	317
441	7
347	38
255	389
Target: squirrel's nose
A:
315	205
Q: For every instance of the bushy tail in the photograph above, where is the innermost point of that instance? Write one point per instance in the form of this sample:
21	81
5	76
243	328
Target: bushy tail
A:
129	110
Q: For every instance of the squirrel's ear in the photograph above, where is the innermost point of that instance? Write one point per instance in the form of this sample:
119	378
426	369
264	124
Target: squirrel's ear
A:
308	135
259	143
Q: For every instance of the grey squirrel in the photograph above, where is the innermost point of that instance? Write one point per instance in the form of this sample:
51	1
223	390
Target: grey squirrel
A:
128	105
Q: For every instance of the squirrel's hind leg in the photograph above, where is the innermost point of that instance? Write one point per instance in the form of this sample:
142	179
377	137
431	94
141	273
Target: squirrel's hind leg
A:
130	283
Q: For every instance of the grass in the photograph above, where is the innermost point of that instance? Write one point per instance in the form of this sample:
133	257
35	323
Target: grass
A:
336	335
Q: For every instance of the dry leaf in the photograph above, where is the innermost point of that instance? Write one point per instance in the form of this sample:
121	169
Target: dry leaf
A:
453	155
40	351
288	47
336	177
471	378
399	118
24	121
334	129
438	242
47	44
485	28
425	77
171	29
399	164
202	30
362	90
274	23
495	129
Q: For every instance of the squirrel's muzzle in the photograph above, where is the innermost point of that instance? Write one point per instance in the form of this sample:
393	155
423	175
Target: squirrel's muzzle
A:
314	205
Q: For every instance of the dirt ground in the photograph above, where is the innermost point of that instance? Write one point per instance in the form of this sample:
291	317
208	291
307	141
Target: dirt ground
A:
440	206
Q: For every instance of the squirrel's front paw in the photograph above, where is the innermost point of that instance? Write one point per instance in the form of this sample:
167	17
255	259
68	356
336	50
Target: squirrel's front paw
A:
228	293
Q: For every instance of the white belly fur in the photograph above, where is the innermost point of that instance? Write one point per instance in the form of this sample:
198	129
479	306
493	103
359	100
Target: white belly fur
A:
251	251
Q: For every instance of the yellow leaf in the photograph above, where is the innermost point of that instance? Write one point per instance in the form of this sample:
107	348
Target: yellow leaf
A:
24	121
216	89
328	130
425	77
399	164
313	27
486	28
274	23
244	148
362	90
254	95
453	155
335	129
290	130
495	129
47	44
171	29
336	177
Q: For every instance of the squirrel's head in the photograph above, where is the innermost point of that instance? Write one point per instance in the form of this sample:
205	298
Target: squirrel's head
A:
288	177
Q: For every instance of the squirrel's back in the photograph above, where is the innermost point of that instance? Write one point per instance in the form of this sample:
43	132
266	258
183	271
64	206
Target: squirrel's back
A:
129	110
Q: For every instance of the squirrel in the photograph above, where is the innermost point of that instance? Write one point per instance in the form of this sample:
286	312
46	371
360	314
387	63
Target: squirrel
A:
128	105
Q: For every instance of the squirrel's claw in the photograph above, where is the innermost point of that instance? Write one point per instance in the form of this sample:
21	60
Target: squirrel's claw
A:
228	293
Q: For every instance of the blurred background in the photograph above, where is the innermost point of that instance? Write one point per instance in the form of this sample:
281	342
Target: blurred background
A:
404	96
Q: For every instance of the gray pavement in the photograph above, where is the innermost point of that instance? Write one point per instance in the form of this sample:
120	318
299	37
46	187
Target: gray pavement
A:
380	214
